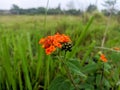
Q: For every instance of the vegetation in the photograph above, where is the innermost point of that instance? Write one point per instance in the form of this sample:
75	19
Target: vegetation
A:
25	66
41	10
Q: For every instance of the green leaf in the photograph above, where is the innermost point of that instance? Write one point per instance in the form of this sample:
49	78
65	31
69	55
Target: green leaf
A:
81	38
86	86
115	75
107	68
106	82
90	68
88	52
74	66
115	57
98	79
60	83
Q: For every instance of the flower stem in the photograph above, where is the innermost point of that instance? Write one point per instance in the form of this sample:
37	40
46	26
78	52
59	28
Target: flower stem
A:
70	76
101	83
68	73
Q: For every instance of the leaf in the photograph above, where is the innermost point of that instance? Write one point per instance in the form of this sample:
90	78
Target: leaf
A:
106	82
115	57
98	79
60	83
116	74
90	68
81	38
107	68
86	86
88	52
74	66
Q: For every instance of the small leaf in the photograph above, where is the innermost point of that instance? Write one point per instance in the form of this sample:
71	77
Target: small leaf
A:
60	83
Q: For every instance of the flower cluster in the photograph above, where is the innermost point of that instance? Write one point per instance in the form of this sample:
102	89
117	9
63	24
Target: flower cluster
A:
50	43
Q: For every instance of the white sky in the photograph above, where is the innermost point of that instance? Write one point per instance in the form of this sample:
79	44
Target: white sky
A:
82	4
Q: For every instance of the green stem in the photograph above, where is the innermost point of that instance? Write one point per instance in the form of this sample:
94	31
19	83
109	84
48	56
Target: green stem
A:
101	83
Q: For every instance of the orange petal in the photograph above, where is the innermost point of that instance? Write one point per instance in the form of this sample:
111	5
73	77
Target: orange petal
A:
42	40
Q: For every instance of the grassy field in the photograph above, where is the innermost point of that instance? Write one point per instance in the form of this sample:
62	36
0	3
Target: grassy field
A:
25	66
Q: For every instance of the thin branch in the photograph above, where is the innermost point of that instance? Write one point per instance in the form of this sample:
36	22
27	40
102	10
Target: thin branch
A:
106	30
109	49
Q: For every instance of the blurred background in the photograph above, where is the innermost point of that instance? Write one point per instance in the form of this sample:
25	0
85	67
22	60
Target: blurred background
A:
74	7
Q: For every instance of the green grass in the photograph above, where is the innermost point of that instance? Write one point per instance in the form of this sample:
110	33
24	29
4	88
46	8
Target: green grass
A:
23	63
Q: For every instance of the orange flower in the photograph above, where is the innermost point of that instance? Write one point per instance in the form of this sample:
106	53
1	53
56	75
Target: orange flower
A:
103	58
50	43
116	48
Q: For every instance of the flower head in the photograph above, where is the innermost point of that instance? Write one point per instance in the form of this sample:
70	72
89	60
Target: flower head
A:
102	57
50	43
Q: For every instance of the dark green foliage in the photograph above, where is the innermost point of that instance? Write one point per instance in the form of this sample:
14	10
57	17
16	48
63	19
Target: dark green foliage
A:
41	10
60	83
